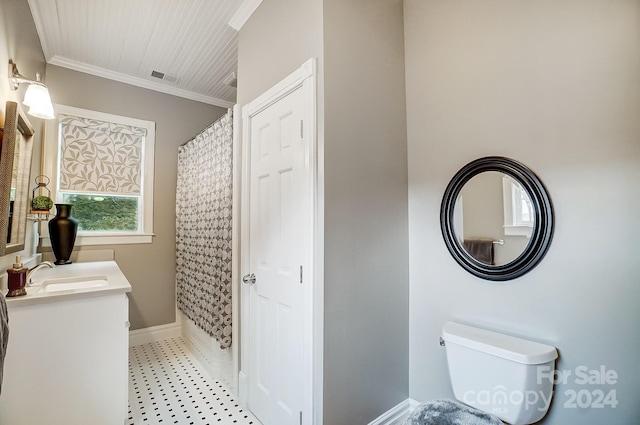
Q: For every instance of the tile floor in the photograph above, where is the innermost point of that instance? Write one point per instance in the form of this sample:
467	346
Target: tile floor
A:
167	385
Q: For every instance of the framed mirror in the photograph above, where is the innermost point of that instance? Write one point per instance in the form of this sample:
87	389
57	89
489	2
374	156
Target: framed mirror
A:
496	218
15	167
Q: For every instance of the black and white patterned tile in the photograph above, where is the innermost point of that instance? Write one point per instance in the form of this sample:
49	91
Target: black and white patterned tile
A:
167	385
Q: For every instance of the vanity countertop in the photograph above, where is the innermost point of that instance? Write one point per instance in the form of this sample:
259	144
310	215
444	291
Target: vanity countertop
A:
116	283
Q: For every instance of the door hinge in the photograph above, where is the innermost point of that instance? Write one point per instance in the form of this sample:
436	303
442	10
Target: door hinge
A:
300	274
301	129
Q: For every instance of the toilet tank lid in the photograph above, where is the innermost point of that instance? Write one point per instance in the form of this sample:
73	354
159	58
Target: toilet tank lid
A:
505	346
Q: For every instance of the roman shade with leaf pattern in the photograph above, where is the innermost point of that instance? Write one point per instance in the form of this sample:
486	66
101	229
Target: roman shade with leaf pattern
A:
100	157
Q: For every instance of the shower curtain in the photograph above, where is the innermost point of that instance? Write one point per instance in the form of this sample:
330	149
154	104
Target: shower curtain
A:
203	229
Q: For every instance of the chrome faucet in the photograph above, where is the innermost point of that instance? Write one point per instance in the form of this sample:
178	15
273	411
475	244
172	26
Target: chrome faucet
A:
36	268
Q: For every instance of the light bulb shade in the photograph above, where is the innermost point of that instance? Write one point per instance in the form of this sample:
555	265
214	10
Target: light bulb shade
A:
36	94
44	112
39	102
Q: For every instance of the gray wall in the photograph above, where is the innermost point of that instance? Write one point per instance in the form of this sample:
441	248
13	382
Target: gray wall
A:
555	85
361	125
366	247
483	207
150	268
279	37
19	41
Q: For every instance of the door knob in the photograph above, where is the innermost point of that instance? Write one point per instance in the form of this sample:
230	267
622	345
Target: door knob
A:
249	278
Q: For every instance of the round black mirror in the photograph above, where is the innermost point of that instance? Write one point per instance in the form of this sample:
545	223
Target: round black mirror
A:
496	218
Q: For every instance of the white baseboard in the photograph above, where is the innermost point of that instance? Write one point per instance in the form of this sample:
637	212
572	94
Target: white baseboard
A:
154	333
243	384
397	414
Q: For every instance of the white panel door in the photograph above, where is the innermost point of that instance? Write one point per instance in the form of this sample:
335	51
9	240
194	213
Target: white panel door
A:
279	223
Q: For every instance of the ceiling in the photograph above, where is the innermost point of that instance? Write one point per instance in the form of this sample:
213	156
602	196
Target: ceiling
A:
189	41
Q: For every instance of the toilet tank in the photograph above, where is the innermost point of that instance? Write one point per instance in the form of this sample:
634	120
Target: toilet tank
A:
509	377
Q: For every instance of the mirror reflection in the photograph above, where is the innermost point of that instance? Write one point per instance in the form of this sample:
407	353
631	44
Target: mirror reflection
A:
493	218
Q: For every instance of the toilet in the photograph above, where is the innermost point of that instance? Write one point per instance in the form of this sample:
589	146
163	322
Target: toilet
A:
507	377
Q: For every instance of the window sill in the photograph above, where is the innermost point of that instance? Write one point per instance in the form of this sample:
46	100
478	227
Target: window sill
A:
107	239
518	230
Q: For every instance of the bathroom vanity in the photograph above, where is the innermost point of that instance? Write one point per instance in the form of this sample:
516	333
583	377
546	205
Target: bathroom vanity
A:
67	359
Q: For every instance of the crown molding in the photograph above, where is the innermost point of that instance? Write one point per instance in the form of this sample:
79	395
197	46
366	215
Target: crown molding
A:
243	13
136	81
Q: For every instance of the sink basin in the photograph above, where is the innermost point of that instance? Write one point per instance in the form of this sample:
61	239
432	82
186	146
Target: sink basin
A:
73	283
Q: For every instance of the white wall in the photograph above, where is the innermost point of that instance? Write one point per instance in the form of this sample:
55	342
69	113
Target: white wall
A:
555	85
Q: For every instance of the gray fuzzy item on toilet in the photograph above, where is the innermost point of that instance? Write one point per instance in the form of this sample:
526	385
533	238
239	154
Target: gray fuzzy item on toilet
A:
449	412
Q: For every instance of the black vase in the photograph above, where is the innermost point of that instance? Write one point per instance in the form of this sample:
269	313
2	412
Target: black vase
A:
62	231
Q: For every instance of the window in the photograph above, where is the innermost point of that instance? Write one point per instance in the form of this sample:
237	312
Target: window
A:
518	210
102	164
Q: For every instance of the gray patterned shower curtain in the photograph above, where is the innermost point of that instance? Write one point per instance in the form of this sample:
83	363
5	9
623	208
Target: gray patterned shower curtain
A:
203	229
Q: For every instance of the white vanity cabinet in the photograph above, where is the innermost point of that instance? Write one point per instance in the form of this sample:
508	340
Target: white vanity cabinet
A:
67	359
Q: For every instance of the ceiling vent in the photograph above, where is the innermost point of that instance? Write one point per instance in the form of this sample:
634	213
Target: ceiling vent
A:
231	80
164	77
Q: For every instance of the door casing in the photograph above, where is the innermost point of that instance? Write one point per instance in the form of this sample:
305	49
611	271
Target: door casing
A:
304	78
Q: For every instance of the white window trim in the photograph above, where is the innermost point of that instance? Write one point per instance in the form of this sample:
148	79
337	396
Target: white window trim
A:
50	153
511	229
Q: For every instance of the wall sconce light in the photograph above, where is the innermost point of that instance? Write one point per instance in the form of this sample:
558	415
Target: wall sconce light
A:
37	95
